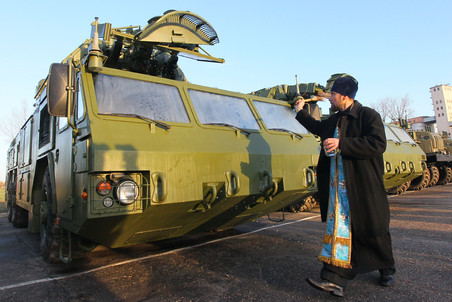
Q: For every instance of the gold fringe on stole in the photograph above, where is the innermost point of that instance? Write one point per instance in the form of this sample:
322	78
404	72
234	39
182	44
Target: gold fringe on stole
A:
335	262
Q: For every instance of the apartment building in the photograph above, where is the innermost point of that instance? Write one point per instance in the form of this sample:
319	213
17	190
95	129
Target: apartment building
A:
442	106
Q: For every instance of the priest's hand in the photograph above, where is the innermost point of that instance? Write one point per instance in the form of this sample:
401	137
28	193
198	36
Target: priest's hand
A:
299	104
331	144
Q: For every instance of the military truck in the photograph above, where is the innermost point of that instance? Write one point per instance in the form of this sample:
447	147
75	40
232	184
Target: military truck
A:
439	159
122	149
404	160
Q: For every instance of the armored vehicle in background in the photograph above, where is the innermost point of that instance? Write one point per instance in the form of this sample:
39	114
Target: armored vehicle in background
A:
448	145
439	158
404	162
121	149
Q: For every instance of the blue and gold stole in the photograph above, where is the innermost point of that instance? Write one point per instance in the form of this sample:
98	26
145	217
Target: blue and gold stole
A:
337	241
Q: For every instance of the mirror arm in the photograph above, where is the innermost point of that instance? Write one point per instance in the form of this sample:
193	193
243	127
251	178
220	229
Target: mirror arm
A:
70	96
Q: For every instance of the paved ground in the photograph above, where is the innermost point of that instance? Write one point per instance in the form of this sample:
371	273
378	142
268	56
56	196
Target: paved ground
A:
260	261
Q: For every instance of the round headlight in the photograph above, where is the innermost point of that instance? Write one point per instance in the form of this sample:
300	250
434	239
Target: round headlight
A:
127	192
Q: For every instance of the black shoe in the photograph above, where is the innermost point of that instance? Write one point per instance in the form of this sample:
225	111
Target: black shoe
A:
327	286
386	280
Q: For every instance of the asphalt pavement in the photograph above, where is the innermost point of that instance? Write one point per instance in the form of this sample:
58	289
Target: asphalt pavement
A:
258	261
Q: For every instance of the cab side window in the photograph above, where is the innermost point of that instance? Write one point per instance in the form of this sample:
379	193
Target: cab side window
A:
80	105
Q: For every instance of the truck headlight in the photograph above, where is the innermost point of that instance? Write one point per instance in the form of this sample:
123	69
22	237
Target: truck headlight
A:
108	202
127	192
103	188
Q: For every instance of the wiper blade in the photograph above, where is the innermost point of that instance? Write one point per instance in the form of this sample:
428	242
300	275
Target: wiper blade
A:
230	126
288	131
146	119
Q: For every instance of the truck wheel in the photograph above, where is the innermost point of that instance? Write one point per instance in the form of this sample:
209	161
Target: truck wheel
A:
442	177
49	229
19	216
303	205
434	176
449	173
294	208
308	203
445	174
422	181
405	186
16	215
9	201
400	188
10	211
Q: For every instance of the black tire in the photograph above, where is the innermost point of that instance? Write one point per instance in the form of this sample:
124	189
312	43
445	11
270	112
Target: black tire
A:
294	208
399	189
10	211
303	205
445	174
449	179
434	176
422	181
50	231
405	186
308	203
19	216
392	190
9	206
16	215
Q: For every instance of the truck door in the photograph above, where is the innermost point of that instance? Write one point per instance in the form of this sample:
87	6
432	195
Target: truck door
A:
64	158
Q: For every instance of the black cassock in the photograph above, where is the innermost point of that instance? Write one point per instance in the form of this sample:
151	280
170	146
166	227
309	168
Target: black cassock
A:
362	143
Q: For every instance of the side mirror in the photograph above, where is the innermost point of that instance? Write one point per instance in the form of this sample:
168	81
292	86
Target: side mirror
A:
60	89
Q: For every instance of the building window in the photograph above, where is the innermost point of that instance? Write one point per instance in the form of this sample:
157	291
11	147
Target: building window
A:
442	114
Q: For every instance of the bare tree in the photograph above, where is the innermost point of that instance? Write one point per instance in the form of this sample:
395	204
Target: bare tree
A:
394	109
382	107
400	109
10	126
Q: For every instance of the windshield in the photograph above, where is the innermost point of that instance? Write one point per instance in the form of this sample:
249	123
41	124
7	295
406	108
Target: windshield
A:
390	136
213	108
404	137
279	117
116	95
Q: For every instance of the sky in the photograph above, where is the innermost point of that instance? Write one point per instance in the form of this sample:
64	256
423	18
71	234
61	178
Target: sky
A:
393	48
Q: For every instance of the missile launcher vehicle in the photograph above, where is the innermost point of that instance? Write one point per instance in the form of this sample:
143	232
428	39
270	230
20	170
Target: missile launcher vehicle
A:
122	149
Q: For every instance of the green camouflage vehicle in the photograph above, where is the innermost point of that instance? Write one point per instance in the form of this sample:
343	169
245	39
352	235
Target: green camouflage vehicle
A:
121	149
439	158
